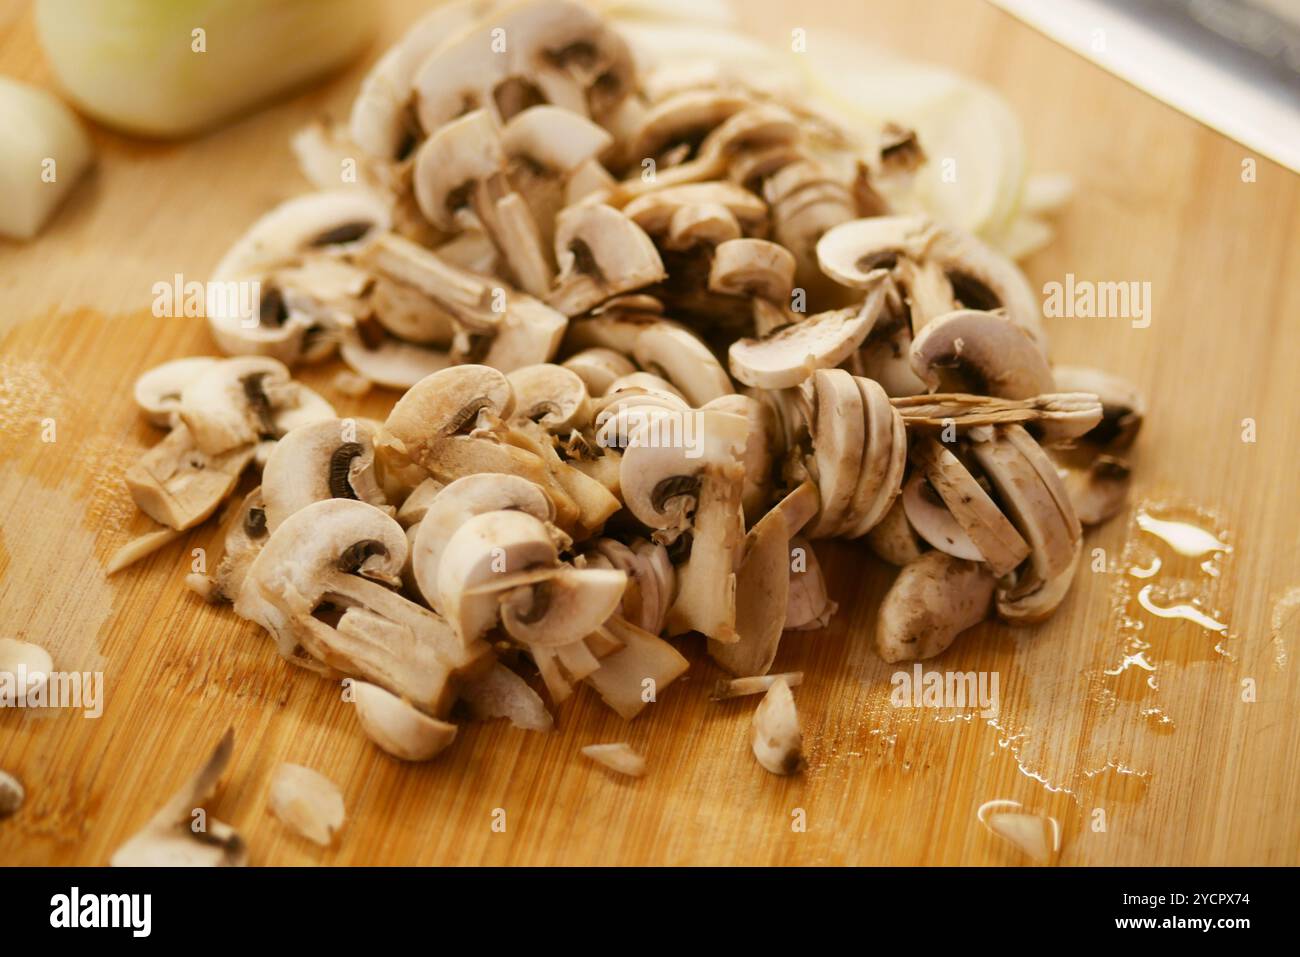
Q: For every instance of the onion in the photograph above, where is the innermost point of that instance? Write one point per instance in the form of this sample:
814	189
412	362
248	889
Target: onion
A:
43	152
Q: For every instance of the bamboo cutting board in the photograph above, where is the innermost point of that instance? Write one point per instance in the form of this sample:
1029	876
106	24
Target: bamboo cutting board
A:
1150	739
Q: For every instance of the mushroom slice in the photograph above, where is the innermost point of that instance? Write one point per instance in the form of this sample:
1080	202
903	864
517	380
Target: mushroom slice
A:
752	267
27	665
564	607
837	424
760	449
1122	406
315	588
858	253
654	212
679	119
982	532
330	459
179	486
809	607
598	367
234	403
244	539
503	694
727	688
775	737
708	223
170	839
893	539
884	453
619	758
677	354
1099	491
399	729
933	600
980	352
1058	417
308	803
592	500
553	139
788	355
158	391
495	552
392	363
288	320
644	665
763	586
552	396
601	253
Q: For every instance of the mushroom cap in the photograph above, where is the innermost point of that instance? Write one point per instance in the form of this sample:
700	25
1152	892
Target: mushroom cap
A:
789	354
553	396
553	138
456	504
988	354
398	728
752	267
463	152
684	360
334	458
448	403
601	253
232	402
158	391
563	607
855	253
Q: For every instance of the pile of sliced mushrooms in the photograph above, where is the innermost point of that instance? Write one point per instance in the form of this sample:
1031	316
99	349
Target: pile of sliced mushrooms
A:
655	331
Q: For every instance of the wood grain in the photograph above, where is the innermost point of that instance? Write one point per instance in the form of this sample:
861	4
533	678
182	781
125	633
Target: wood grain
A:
1184	770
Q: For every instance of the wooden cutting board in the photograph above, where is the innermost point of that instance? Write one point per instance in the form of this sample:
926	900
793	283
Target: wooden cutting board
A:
1149	739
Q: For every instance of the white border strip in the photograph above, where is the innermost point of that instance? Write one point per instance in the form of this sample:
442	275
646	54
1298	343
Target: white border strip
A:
1198	87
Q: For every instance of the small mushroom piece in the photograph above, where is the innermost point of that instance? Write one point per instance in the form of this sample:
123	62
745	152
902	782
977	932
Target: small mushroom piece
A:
170	839
1099	491
26	666
752	267
178	485
1122	406
334	458
563	607
934	599
416	504
244	539
158	391
552	396
980	352
139	548
308	803
619	758
456	504
789	354
727	688
809	606
884	459
315	586
645	662
501	693
1056	418
391	362
397	728
893	539
838	436
677	354
12	795
234	402
598	367
775	736
760	450
601	253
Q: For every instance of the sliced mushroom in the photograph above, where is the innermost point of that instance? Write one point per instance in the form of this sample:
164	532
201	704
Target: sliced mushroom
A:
158	391
644	663
809	606
330	459
788	355
1099	491
179	486
234	403
563	607
1122	406
934	599
893	539
552	396
679	356
397	728
775	736
601	254
308	803
598	368
503	694
980	352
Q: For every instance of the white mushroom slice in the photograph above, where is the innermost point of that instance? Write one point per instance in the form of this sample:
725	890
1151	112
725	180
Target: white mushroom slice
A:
493	550
460	501
934	599
234	402
884	452
679	356
760	450
27	665
286	323
619	758
857	253
838	434
563	607
753	267
593	502
1058	417
763	586
785	357
139	548
317	568
679	118
655	211
552	396
1099	491
503	694
330	459
707	223
12	795
158	391
601	253
1122	406
417	503
529	333
170	839
392	363
893	539
308	803
727	688
599	367
775	737
244	539
553	139
397	728
980	352
179	486
644	388
407	313
809	606
645	662
981	532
